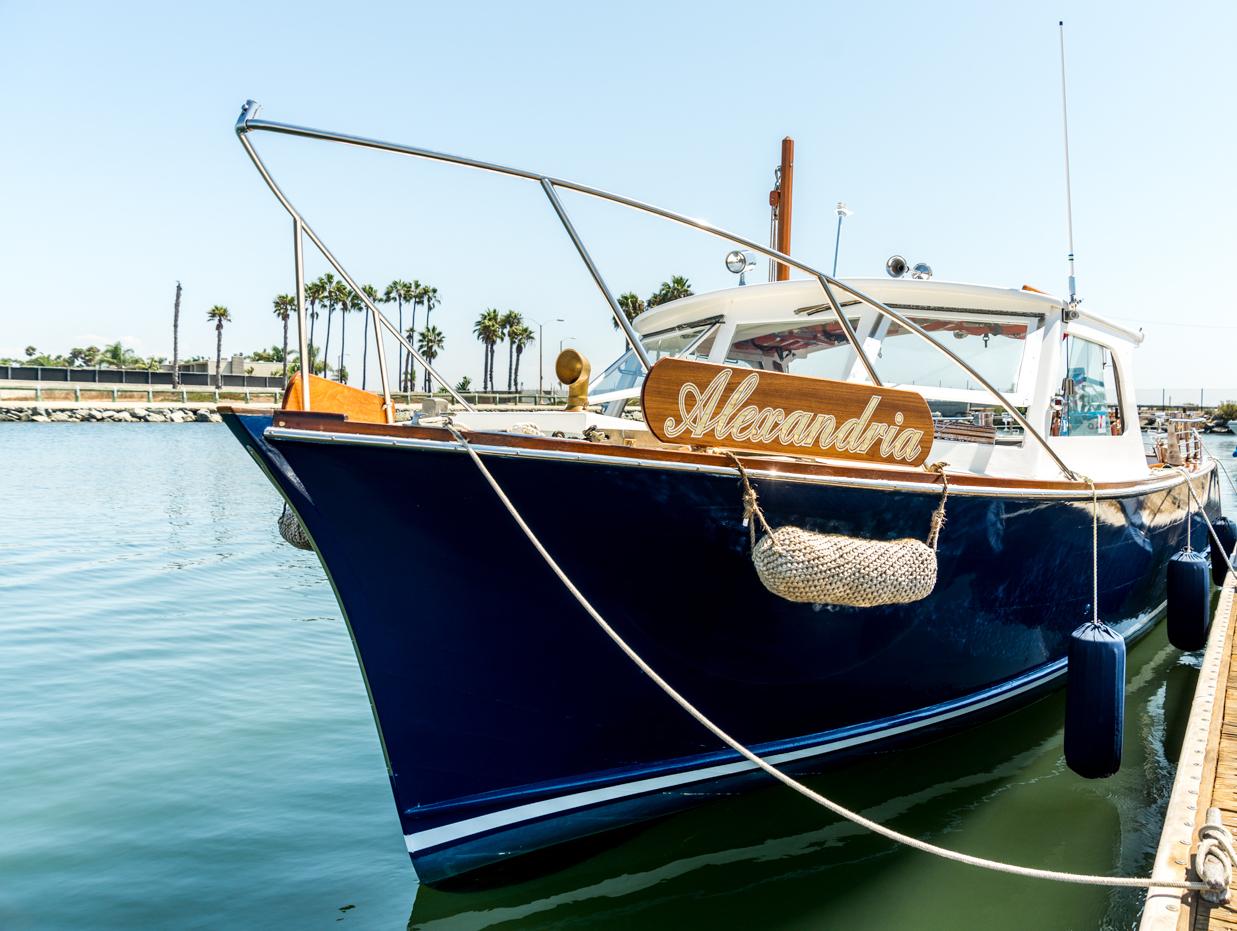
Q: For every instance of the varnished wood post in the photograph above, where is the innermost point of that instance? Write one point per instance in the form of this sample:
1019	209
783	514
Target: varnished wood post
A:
785	196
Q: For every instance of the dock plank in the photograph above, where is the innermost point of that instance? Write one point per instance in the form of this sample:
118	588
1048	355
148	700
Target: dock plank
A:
1219	784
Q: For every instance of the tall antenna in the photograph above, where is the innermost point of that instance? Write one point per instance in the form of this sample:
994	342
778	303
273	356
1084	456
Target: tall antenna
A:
1069	208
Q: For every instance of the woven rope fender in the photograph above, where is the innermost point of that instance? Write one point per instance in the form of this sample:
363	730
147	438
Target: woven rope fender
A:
291	530
820	568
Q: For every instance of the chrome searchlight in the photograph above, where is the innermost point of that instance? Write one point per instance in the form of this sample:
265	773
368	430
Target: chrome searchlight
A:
739	261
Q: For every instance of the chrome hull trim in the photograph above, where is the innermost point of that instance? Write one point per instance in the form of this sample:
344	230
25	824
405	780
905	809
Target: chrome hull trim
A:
354	439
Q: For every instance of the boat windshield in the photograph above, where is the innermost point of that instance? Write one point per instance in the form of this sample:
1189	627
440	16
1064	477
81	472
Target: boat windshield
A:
1089	394
797	349
992	348
626	373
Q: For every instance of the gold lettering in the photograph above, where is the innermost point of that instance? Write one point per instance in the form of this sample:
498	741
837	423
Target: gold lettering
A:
854	443
766	424
907	446
807	435
739	428
847	437
826	430
887	442
794	424
874	433
746	387
698	419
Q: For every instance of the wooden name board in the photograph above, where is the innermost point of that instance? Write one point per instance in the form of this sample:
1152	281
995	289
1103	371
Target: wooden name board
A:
701	404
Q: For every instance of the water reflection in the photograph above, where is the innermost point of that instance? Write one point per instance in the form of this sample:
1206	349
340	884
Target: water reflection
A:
772	859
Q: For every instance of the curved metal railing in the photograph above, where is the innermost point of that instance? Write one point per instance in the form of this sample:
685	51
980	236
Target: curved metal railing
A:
247	122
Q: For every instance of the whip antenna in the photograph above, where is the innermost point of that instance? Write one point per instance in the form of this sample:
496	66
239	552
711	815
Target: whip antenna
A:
1069	209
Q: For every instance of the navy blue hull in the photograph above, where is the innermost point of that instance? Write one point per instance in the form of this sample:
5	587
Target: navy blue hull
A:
511	722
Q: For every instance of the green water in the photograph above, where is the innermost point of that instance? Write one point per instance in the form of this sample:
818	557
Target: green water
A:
185	743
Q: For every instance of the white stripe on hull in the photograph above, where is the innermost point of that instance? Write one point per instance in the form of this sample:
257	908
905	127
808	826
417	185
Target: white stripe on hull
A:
459	830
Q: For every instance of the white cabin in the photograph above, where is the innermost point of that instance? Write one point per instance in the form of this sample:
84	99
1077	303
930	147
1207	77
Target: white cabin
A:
1074	377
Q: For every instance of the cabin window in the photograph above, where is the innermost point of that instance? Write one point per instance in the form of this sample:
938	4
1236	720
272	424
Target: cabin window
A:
627	372
1088	398
816	349
992	347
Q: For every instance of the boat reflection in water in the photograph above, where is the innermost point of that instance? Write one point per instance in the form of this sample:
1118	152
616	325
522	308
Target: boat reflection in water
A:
767	859
510	722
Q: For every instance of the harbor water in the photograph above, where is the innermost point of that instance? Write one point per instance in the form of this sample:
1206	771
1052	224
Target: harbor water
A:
185	742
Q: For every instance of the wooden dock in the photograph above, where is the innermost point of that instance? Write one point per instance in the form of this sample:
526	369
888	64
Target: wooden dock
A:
1206	777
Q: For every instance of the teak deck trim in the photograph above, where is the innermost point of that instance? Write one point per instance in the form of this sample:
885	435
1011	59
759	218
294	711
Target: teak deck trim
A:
304	425
1206	776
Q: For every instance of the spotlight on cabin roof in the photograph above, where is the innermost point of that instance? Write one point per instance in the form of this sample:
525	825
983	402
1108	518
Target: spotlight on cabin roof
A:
740	261
897	267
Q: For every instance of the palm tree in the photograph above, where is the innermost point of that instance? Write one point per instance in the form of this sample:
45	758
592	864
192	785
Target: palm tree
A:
402	293
315	293
350	303
176	339
631	305
409	383
671	290
114	355
329	300
372	293
520	337
429	297
428	345
283	308
221	316
510	322
336	295
489	330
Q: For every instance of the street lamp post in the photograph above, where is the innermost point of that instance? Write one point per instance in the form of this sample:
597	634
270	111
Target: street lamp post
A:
541	353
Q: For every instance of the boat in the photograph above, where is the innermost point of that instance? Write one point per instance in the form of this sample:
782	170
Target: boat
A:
510	722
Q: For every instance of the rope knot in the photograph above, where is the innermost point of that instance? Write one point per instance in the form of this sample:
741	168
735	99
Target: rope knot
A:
938	516
750	507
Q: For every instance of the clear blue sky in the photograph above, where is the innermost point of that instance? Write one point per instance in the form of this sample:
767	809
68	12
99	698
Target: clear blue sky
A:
939	125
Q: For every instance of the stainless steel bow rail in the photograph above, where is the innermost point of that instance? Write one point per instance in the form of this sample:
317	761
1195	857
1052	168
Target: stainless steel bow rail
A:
248	123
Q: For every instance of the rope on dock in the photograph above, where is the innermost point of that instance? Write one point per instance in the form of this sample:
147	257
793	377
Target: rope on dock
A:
776	773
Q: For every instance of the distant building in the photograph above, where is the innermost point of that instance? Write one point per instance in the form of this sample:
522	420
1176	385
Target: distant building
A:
237	365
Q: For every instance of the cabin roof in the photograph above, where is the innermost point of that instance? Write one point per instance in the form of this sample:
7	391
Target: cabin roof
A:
780	299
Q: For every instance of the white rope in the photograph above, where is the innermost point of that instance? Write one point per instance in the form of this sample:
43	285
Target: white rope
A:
1190	487
777	773
1220	468
1095	552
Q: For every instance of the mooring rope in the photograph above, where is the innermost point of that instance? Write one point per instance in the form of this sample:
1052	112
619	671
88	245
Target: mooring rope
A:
772	770
1190	487
1095	551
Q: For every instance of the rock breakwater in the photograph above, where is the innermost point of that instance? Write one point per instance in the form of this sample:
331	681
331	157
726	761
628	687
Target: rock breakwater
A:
43	413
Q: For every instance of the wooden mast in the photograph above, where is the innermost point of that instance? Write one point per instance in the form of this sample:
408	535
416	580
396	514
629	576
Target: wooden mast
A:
785	193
